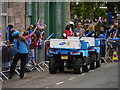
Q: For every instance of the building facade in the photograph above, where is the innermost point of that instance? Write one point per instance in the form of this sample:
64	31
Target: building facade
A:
22	14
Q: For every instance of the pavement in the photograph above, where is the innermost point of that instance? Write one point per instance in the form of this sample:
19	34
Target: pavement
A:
104	77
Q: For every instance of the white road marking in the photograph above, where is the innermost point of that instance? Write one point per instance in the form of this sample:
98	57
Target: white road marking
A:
92	70
46	87
99	68
83	74
72	78
59	83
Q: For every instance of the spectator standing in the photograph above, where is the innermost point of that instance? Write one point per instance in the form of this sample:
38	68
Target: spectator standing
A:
118	34
114	31
76	20
32	47
102	42
105	24
113	34
42	28
10	30
30	44
67	32
20	52
115	21
90	32
0	37
102	31
27	36
105	32
79	30
30	30
71	26
37	32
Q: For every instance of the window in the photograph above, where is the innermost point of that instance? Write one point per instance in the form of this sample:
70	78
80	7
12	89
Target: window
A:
4	18
4	7
28	14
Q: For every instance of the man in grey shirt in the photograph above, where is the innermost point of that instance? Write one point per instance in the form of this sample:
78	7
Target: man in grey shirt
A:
79	31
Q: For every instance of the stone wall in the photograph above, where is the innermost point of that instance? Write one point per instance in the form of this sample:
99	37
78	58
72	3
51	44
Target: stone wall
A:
16	15
67	12
0	14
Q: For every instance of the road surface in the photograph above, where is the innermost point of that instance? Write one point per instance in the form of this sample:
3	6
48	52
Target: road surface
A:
103	77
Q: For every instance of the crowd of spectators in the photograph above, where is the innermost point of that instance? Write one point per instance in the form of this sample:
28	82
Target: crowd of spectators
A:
78	30
12	51
105	31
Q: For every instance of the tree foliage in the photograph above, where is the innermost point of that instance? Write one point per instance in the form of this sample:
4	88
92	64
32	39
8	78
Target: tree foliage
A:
114	7
88	9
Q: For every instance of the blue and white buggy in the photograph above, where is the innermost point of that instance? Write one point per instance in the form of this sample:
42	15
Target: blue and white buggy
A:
73	53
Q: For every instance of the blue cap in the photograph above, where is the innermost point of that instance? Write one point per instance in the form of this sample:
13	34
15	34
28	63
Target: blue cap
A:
15	33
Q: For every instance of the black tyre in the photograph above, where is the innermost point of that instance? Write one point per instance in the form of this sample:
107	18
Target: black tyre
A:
52	65
77	69
61	66
92	61
86	68
98	63
70	64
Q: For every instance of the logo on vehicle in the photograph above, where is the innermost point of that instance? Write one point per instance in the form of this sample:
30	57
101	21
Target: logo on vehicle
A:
64	43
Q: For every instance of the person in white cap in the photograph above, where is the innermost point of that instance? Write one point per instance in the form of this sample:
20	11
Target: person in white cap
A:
20	52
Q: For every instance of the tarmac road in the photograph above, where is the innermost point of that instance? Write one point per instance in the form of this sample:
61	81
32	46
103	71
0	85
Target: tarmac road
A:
104	77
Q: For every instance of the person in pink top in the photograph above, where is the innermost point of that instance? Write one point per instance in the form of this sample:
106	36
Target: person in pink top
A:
31	43
27	35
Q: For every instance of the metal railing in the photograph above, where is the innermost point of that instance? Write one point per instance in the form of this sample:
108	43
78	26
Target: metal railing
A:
110	45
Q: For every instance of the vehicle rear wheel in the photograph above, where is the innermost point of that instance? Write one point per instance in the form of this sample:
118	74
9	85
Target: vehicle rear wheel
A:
98	63
86	68
92	61
77	69
61	66
52	65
